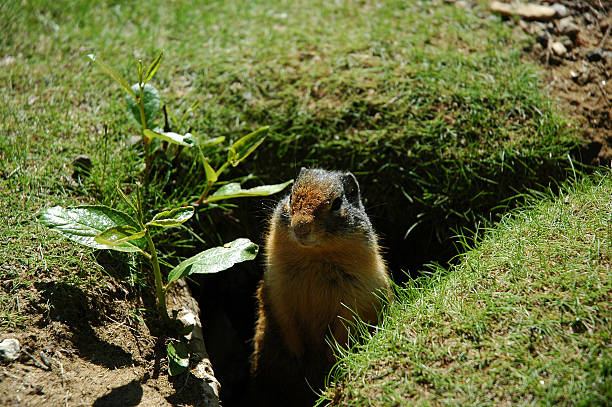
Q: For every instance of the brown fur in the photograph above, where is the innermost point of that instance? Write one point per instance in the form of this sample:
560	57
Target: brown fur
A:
307	292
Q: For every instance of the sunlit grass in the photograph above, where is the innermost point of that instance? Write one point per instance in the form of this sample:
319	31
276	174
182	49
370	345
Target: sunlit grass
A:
523	319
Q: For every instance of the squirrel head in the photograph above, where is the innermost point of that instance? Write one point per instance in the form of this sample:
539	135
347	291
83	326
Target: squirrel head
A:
324	206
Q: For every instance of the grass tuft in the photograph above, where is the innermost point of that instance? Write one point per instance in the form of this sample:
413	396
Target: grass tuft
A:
429	104
522	319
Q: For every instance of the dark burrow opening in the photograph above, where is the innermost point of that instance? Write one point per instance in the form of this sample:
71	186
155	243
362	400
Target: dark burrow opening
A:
410	242
227	299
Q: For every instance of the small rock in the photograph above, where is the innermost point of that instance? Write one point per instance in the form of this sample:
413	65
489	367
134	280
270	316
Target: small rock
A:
594	55
540	26
9	349
501	8
71	182
560	9
567	27
535	11
527	11
82	165
537	48
188	321
528	28
558	48
134	140
461	4
582	76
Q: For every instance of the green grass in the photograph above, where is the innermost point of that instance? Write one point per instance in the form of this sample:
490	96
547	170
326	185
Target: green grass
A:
522	319
429	104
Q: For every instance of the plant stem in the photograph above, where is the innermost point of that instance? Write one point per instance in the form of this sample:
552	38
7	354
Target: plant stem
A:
223	167
159	286
204	194
209	184
143	122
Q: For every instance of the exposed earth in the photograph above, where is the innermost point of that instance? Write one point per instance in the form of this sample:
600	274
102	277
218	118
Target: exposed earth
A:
576	54
86	347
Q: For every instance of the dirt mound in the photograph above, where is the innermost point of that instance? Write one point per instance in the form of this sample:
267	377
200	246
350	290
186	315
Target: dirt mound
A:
575	48
85	346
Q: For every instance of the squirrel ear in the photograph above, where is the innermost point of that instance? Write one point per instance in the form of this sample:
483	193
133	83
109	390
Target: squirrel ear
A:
302	171
351	187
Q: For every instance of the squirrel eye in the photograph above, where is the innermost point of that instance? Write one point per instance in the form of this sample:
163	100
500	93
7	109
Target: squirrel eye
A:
336	204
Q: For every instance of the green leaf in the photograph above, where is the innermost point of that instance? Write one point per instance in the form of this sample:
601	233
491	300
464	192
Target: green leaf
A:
246	145
171	218
211	175
117	235
150	97
126	198
153	67
178	357
174	138
82	224
216	259
212	141
234	190
140	71
117	77
187	329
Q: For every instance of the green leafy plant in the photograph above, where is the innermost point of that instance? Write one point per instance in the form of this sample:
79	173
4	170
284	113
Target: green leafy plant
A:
142	98
238	151
178	357
102	227
143	101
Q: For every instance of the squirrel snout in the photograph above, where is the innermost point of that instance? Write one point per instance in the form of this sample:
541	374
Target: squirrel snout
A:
303	228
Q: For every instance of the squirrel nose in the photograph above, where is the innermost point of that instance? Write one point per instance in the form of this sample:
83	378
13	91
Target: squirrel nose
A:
302	227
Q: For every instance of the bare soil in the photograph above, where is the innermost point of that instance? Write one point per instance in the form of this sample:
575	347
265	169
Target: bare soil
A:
84	346
579	77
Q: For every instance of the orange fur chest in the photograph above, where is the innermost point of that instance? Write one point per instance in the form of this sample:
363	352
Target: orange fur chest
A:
310	288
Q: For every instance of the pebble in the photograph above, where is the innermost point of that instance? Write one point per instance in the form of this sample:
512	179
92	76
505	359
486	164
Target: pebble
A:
560	9
558	48
567	27
583	76
529	11
594	55
134	140
9	349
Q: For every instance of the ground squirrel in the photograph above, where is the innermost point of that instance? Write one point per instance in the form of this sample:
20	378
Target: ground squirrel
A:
323	265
